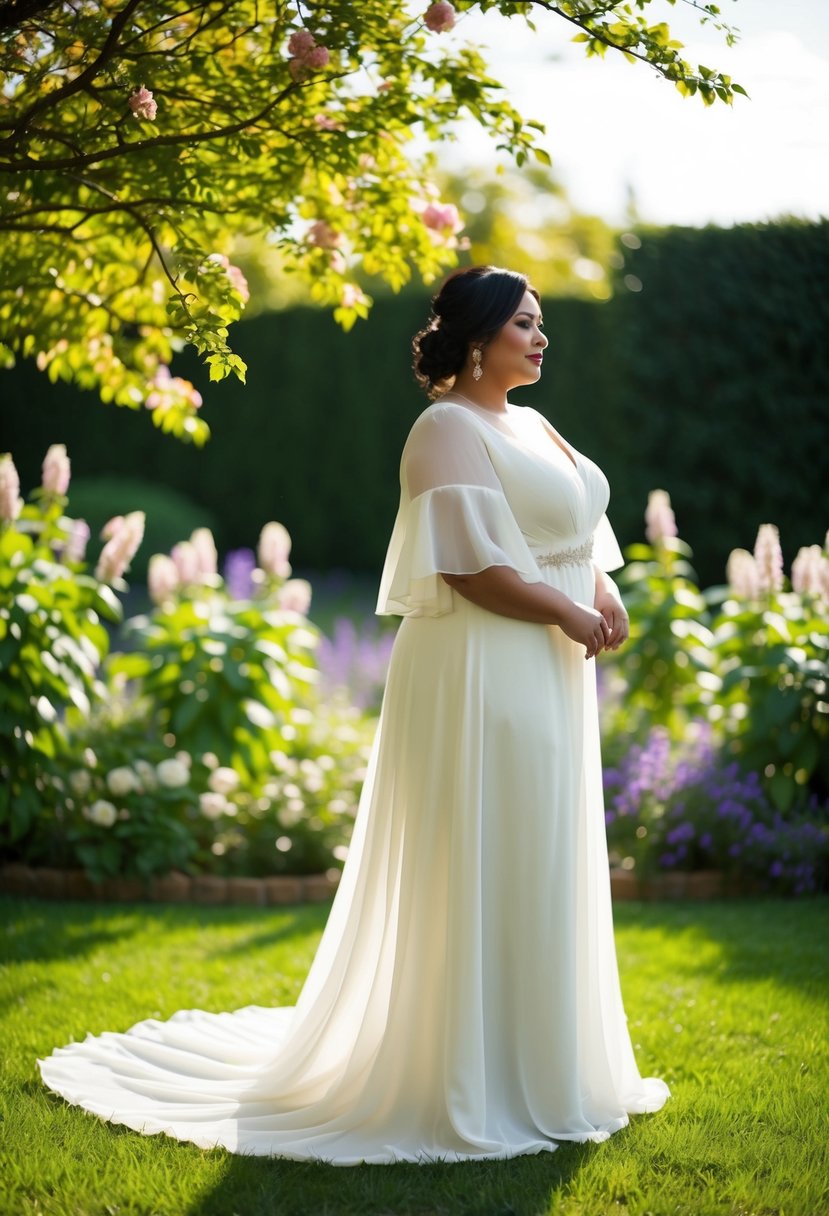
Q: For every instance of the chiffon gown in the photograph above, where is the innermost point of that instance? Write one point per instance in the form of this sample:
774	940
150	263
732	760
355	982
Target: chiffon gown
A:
464	1001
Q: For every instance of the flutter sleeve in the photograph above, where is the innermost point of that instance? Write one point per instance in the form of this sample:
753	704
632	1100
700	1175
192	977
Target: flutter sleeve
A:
606	552
453	518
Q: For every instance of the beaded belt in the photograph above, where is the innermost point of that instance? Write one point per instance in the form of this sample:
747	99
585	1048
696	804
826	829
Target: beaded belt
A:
576	556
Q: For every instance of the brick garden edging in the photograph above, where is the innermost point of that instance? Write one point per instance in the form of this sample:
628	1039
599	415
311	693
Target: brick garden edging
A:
177	888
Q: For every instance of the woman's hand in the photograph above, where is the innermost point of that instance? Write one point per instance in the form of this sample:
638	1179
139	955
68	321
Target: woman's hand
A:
608	602
586	626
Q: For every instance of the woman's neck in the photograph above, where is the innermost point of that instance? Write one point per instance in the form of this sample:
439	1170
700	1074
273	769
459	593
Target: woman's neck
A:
490	397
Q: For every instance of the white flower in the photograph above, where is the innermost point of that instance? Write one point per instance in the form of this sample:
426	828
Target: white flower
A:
11	504
162	578
273	549
56	470
295	596
213	805
172	773
80	782
121	781
101	812
769	558
186	560
205	549
223	780
659	517
741	573
147	774
210	760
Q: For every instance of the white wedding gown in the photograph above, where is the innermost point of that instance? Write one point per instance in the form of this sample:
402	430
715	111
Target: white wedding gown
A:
464	1001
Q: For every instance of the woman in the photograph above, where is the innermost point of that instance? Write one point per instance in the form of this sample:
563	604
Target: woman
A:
464	1001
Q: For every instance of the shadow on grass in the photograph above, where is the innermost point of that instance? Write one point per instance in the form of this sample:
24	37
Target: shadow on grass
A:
521	1186
757	938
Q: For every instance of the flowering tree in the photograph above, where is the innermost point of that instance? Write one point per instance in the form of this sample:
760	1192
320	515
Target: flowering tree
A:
139	138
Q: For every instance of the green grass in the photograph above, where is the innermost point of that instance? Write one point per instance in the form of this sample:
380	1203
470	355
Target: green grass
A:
726	1001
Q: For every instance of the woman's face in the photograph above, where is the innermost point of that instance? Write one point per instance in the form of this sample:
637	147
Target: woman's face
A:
514	355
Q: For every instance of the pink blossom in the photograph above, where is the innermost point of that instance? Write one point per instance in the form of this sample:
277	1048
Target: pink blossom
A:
659	517
273	550
142	105
205	549
121	548
186	561
769	558
238	282
56	470
810	570
385	85
442	217
439	17
79	534
741	573
295	596
169	391
337	262
301	43
326	123
162	578
11	504
298	70
352	296
323	236
317	58
111	527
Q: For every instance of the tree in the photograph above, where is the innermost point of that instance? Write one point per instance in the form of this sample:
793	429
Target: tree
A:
140	138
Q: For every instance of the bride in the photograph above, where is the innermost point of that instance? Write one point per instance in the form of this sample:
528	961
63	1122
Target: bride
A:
464	1001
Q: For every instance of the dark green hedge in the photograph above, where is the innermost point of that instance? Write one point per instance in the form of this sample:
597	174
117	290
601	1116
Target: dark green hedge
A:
711	382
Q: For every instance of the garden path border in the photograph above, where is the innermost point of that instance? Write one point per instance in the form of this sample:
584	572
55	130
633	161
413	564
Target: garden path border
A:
49	883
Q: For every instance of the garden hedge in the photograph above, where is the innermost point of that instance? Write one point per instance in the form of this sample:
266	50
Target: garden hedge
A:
706	374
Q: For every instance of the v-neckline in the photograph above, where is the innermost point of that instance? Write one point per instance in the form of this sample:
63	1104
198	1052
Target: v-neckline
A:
552	435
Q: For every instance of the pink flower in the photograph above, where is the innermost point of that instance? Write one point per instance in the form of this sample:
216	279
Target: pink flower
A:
273	550
769	558
56	468
168	391
326	123
741	573
79	534
337	262
162	578
205	549
352	296
298	70
385	85
317	58
659	517
186	561
810	571
295	596
11	504
142	105
323	236
301	43
439	17
442	217
238	282
111	527
121	547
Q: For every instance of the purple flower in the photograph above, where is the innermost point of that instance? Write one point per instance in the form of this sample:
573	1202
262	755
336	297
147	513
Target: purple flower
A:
238	569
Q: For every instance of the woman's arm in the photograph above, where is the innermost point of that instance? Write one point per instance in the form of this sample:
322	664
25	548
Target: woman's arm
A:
608	602
501	589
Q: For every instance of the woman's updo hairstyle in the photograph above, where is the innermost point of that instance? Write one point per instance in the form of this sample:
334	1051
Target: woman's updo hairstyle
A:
471	306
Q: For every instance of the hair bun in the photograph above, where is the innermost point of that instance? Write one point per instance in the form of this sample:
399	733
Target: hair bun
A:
438	356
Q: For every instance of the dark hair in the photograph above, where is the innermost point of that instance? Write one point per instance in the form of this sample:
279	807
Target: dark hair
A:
471	306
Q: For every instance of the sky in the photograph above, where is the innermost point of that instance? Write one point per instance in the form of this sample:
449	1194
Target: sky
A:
617	131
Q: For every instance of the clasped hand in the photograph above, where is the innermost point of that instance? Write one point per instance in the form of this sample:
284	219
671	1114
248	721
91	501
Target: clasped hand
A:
603	627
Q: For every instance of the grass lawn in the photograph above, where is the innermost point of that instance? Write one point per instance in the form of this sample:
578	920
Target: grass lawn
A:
727	1001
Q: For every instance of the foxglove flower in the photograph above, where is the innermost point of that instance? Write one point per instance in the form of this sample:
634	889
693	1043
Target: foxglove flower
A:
660	522
56	470
769	558
741	573
11	504
162	578
273	550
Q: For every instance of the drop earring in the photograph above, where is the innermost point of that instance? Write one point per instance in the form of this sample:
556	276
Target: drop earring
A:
477	370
